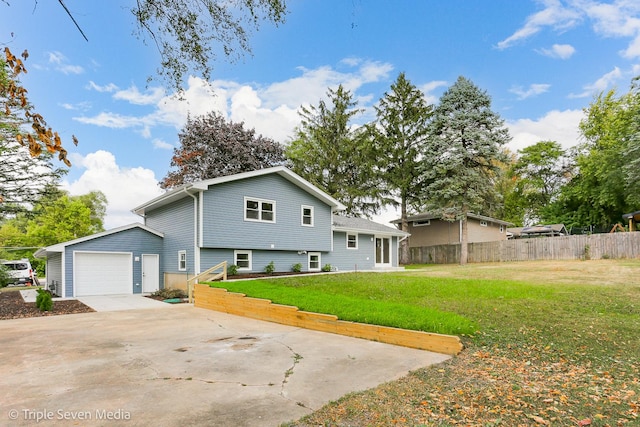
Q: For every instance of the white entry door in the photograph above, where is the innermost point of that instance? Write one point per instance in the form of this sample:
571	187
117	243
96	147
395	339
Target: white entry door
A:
150	273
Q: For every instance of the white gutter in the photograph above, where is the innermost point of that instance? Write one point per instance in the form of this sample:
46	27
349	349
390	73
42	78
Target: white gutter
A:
196	248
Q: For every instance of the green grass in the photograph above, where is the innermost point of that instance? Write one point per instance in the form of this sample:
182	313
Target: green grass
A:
557	342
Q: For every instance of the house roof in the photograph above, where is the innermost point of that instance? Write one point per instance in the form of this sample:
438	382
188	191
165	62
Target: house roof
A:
429	215
59	247
191	188
361	225
634	215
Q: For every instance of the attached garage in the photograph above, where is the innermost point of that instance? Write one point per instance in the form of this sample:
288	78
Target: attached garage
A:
103	273
113	262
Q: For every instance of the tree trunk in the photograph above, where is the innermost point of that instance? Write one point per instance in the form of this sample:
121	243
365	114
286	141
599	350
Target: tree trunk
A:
404	226
464	240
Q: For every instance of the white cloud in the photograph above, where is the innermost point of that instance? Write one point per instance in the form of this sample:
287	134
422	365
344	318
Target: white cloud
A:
125	188
603	83
106	88
162	145
429	87
554	15
272	110
59	61
560	51
533	90
559	126
617	18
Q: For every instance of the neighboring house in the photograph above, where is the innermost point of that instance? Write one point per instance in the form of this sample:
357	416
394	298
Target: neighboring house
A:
427	229
249	219
549	230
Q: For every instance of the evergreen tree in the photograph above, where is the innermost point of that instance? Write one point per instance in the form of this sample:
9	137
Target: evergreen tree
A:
461	162
399	135
335	157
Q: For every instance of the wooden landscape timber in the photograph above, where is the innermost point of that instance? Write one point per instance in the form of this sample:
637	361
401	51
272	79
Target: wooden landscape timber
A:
261	309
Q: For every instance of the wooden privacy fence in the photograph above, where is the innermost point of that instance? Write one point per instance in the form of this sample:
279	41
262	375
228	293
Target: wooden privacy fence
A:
591	246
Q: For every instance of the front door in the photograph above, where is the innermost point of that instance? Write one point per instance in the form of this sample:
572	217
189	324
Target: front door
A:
383	251
150	273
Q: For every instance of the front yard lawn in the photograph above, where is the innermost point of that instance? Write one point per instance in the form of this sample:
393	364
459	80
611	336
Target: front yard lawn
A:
556	344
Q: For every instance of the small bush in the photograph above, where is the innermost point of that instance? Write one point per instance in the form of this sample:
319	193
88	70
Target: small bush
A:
169	293
327	267
296	268
44	301
270	268
232	270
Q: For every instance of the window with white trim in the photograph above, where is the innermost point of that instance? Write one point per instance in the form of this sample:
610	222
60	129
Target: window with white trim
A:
259	210
242	259
182	260
307	216
483	223
314	261
501	228
352	241
421	222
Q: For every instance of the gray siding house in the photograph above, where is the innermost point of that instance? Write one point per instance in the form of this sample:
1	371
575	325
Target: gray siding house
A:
249	220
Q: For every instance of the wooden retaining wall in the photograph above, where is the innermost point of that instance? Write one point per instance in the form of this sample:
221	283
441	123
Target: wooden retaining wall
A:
587	246
261	309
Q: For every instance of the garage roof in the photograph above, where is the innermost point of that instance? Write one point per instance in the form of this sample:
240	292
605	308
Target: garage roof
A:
59	247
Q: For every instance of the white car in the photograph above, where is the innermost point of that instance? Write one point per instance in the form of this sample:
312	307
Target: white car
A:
20	273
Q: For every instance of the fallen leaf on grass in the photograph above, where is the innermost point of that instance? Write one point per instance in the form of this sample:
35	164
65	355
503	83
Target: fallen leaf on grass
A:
585	422
539	420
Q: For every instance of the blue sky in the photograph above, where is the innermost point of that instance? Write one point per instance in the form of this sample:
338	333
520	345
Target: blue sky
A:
541	62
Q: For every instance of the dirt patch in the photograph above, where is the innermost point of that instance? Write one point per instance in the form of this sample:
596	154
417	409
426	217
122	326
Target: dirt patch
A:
12	306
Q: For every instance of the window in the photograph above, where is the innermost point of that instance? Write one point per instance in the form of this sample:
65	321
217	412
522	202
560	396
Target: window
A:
421	222
483	223
502	228
307	216
242	259
314	261
259	210
182	260
352	241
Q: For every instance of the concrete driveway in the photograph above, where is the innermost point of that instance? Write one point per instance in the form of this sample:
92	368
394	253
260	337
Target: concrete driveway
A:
182	366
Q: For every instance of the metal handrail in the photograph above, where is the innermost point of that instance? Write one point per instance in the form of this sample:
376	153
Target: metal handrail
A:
208	272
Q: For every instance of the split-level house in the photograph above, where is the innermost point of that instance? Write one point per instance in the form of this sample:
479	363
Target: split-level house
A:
249	220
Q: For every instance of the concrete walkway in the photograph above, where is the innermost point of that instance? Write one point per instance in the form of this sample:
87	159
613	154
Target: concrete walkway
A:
182	366
106	302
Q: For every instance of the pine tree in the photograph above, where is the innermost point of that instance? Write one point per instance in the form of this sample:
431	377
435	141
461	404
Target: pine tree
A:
460	163
400	134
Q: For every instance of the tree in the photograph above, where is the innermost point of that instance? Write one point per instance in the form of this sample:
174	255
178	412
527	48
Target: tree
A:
461	162
16	113
334	156
539	175
603	184
399	136
185	32
211	147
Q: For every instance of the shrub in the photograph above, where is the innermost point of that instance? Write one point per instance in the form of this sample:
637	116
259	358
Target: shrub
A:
232	270
296	268
270	268
327	267
44	302
169	293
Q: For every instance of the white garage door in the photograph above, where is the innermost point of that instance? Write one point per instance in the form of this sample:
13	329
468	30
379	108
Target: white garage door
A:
102	273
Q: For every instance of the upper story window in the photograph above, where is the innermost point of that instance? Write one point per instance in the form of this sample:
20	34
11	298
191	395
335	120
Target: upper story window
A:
307	216
483	223
352	241
421	222
501	228
259	210
182	260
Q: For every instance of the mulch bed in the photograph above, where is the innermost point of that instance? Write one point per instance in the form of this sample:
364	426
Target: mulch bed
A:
12	306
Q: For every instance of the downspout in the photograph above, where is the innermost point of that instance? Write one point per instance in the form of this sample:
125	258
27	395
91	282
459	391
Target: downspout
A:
196	248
